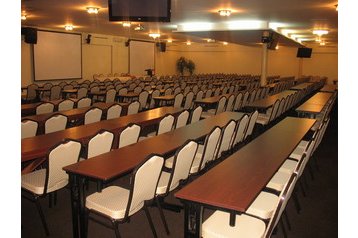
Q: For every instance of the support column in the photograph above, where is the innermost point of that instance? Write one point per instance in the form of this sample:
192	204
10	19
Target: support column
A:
263	80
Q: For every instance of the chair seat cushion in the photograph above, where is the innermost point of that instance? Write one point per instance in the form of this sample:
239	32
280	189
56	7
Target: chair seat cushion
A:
217	226
264	205
289	166
35	182
278	181
163	182
112	201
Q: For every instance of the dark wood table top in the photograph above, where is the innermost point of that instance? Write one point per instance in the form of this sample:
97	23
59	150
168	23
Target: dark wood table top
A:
120	161
97	93
129	95
265	103
164	98
69	91
301	86
329	88
38	146
237	181
30	108
315	104
212	100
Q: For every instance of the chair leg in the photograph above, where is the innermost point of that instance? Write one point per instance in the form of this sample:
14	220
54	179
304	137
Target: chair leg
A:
162	215
302	188
296	202
287	220
150	220
115	226
316	163
55	198
86	217
283	228
50	200
311	171
39	209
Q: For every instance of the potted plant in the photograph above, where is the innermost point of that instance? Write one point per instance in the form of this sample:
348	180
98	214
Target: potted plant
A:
190	66
181	65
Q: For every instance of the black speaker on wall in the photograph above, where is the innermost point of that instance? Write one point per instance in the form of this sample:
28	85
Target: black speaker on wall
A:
30	34
88	39
163	46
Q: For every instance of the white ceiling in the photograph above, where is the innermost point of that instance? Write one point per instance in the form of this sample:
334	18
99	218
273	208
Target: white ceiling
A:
287	17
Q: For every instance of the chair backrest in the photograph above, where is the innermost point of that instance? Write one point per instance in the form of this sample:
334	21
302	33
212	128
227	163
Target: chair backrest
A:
93	115
129	135
230	103
28	128
178	100
188	100
252	96
144	182
82	92
182	162
100	143
55	123
122	91
195	89
245	99
251	125
95	89
208	93
133	108
110	95
66	105
137	89
84	102
226	137
210	147
195	116
44	108
280	108
143	98
114	111
182	119
217	92
168	91
155	93
186	90
62	84
63	154
31	92
237	103
274	110
240	130
47	86
199	95
166	124
221	105
55	92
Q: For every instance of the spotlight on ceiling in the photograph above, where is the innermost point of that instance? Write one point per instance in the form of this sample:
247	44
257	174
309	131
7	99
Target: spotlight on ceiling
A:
139	28
169	40
126	24
154	35
225	43
68	27
92	10
23	16
322	43
188	43
320	32
224	12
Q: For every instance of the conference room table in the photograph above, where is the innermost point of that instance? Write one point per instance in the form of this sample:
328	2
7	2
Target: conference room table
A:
130	96
164	100
68	92
301	86
30	108
234	184
119	162
263	104
34	149
329	88
314	105
210	102
76	114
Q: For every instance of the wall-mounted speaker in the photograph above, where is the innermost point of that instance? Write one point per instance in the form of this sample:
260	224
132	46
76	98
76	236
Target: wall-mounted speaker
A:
126	43
88	39
30	34
163	46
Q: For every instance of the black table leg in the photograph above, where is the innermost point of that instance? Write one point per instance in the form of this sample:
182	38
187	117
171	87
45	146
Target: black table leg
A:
193	215
74	204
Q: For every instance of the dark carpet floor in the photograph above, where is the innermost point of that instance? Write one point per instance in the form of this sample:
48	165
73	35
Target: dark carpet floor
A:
318	217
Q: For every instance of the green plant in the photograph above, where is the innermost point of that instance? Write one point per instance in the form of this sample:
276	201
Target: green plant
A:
190	66
181	65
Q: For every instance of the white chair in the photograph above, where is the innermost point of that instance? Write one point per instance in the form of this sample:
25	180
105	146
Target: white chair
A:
196	114
28	128
178	100
93	115
66	105
230	103
84	102
247	226
226	138
55	123
219	108
52	177
137	89
143	99
237	103
245	99
44	108
31	92
110	95
100	143
208	93
217	92
114	111
265	119
177	90
169	181
155	93
133	108
129	135
118	204
250	127
199	95
165	125
240	131
182	119
189	100
55	93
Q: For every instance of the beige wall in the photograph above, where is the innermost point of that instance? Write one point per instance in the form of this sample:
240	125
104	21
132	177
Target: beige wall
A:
108	54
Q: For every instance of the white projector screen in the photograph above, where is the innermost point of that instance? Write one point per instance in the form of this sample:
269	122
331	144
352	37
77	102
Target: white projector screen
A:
57	55
141	57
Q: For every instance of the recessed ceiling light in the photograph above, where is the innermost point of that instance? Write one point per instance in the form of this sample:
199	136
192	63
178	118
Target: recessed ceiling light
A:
154	35
225	12
169	40
68	27
322	43
126	24
188	43
92	10
277	47
320	32
139	28
225	43
210	40
23	16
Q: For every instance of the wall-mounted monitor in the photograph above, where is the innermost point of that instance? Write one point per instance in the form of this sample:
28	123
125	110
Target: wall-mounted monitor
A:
304	52
139	10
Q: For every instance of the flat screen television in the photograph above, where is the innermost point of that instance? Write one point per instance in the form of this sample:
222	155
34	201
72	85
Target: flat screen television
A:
139	10
304	52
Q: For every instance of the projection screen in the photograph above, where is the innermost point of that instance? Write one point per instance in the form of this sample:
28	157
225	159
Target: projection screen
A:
141	57
57	55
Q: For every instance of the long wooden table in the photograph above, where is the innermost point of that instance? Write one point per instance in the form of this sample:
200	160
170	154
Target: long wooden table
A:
263	104
121	161
235	183
315	104
329	88
73	114
30	108
301	86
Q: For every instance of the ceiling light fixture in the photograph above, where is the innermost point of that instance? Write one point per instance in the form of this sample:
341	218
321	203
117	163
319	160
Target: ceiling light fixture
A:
210	40
277	47
318	39
322	43
68	27
169	40
23	16
126	24
188	43
224	12
139	28
320	32
92	10
225	43
154	35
